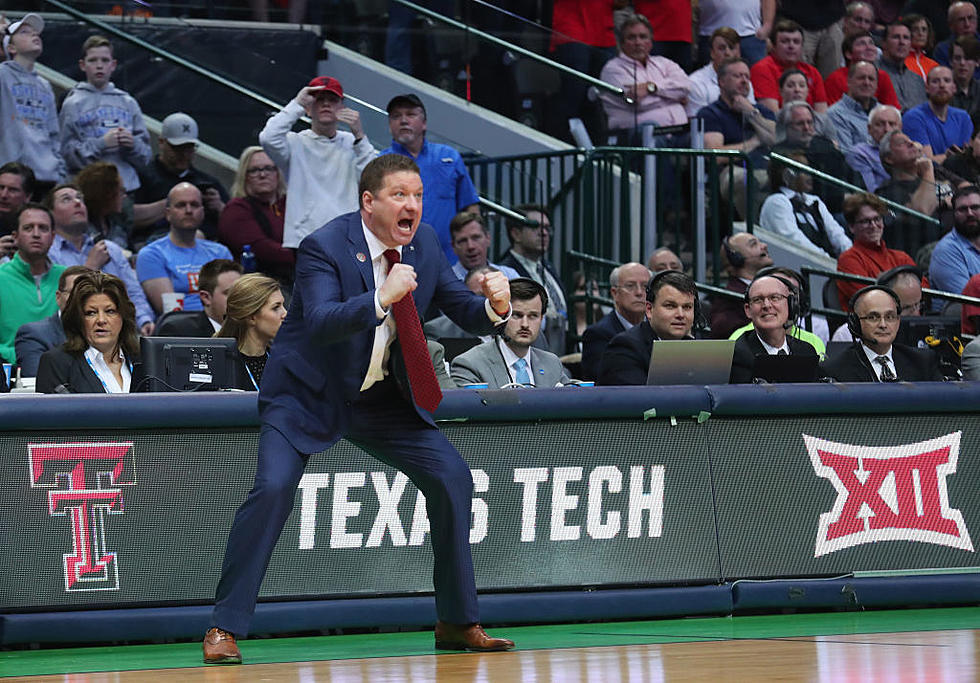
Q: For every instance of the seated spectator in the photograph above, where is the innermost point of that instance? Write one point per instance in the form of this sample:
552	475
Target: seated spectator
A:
860	48
966	163
906	282
174	163
962	20
663	258
510	358
822	32
911	89
934	124
705	88
471	243
787	53
254	313
850	113
255	214
859	19
798	216
743	255
29	279
99	122
168	267
966	56
628	290
923	41
74	245
101	341
970	362
441	327
771	304
793	88
956	257
16	188
101	186
671	310
877	358
580	308
29	133
213	283
864	158
657	86
865	216
733	122
33	339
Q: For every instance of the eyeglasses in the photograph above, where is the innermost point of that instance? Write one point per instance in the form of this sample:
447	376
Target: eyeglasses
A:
890	317
261	169
773	299
867	222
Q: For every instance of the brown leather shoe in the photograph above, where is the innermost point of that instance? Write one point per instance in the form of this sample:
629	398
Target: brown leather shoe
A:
220	647
468	637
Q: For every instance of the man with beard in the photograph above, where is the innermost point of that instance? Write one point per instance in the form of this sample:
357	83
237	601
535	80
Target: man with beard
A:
628	289
936	125
956	257
510	358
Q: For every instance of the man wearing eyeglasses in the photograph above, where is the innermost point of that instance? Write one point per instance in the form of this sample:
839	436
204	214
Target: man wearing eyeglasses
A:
956	257
869	256
875	357
768	303
628	289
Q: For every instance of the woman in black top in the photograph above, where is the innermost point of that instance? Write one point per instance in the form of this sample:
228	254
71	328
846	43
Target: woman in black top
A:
255	312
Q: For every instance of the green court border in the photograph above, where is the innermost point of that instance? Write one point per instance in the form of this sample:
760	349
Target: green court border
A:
322	648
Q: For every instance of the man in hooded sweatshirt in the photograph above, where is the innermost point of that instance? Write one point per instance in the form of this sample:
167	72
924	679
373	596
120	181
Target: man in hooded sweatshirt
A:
28	115
100	122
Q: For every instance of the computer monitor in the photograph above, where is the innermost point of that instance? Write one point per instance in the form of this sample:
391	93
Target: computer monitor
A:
187	364
914	329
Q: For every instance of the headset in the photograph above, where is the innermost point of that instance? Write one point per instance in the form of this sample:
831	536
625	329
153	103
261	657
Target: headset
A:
853	321
803	293
735	258
889	275
685	281
792	301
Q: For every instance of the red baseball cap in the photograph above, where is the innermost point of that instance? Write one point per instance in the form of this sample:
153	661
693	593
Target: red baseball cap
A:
328	84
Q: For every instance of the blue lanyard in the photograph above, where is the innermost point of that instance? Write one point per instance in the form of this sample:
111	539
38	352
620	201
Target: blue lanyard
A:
99	377
249	371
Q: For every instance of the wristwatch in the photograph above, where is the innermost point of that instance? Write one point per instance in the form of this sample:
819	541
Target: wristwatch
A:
652	88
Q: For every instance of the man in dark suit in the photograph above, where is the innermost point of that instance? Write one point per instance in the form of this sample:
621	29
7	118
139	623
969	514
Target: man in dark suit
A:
213	282
528	255
628	289
743	255
35	338
771	304
876	313
326	379
671	310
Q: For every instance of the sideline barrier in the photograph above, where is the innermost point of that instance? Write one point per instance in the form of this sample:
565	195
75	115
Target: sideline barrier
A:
579	494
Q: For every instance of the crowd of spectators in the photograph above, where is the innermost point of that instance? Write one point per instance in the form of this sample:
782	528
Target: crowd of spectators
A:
874	97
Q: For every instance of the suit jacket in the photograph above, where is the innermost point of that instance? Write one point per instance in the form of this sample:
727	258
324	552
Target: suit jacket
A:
970	361
627	357
748	347
911	365
59	368
727	315
321	354
485	363
595	339
35	338
185	324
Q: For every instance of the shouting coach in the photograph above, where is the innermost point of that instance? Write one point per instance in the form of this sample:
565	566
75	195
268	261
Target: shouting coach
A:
350	362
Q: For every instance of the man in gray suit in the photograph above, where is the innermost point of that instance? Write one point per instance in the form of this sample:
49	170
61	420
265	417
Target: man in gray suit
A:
510	358
35	338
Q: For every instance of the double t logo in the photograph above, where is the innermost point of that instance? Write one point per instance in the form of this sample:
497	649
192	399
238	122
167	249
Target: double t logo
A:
84	479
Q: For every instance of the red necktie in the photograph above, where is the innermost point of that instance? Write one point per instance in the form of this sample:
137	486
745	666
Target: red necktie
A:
418	362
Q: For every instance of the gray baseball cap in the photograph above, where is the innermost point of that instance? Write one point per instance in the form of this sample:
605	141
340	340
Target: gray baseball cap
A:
32	19
179	129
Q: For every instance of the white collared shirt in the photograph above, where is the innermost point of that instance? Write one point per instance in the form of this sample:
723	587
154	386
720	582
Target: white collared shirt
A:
773	350
214	323
510	358
384	334
875	365
102	370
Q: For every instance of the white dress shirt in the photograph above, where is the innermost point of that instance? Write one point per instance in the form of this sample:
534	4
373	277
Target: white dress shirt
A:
510	358
875	365
102	370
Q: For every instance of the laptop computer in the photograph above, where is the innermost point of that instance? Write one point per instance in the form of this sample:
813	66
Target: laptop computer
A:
787	368
691	361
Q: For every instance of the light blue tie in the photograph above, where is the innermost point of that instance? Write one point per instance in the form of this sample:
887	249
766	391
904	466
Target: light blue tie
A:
521	376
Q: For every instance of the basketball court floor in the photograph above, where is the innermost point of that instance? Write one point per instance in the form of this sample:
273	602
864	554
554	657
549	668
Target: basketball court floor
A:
894	645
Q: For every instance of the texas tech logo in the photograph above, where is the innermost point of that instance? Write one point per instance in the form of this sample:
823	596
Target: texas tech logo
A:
889	493
85	481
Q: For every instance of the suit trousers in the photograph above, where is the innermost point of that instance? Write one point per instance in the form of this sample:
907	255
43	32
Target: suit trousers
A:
384	425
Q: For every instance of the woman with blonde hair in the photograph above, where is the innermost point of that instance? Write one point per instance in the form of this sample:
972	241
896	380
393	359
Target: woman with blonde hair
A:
255	311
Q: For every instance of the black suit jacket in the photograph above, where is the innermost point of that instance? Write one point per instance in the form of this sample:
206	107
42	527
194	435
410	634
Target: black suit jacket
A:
595	339
59	368
627	357
185	324
911	365
727	315
508	259
748	346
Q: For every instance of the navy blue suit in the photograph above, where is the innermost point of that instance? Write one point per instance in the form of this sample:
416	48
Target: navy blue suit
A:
595	339
310	398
